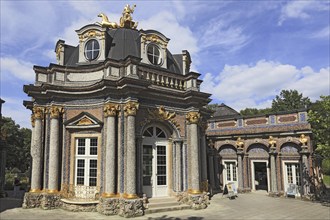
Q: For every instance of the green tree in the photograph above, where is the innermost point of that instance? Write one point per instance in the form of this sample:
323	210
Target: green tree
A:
290	100
17	141
255	111
319	118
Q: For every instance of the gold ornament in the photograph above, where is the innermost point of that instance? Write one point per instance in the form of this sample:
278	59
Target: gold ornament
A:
130	108
193	117
110	110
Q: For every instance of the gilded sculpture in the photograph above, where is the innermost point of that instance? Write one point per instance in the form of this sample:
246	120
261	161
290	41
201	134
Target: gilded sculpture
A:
126	20
105	21
303	139
165	114
193	117
239	143
272	142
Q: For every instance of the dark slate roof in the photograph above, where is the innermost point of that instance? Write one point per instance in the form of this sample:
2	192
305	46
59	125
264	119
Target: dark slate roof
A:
224	111
71	56
172	63
121	43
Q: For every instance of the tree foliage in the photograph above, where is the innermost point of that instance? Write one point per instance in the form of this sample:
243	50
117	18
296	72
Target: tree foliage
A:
255	111
319	118
290	100
17	142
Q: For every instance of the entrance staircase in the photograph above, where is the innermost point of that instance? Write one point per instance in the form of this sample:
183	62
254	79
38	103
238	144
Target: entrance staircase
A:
164	204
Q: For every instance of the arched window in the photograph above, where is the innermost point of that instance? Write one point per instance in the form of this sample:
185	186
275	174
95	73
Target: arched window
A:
155	132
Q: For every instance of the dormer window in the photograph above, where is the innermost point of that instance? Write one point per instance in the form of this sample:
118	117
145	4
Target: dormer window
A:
92	49
154	54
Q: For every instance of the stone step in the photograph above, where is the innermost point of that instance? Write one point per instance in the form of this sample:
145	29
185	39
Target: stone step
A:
166	209
164	204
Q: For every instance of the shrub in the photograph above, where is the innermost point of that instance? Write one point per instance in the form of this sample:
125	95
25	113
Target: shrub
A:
326	166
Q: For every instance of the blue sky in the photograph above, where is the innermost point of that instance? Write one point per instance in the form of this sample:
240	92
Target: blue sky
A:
247	51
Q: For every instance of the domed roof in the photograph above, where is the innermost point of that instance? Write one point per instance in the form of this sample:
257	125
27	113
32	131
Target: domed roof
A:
123	42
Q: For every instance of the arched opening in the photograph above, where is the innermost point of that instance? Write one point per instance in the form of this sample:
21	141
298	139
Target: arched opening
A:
291	168
259	167
155	161
228	166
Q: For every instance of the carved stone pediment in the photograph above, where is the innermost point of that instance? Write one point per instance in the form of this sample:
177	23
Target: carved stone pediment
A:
83	120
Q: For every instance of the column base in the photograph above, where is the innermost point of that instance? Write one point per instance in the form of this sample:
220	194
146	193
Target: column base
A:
110	195
198	201
51	201
32	200
130	196
130	207
108	206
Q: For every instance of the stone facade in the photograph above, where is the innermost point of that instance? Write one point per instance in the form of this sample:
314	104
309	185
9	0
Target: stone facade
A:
117	117
270	152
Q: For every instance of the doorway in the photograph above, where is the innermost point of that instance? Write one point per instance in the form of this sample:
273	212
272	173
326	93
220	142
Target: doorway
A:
154	162
260	175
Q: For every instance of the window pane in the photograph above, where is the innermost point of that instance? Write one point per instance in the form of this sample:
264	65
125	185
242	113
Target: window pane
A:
81	142
161	180
93	164
81	150
93	142
80	181
92	181
93	151
81	163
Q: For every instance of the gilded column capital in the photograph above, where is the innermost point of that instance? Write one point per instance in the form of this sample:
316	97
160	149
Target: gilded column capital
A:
193	117
38	112
55	111
130	108
110	110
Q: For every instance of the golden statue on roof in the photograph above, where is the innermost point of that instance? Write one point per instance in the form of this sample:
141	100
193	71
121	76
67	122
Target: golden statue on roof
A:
126	21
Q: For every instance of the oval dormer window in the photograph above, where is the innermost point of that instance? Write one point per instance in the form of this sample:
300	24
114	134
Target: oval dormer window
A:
154	54
92	49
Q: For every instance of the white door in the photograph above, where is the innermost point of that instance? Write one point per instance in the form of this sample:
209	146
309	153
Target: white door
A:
154	162
292	176
230	172
86	168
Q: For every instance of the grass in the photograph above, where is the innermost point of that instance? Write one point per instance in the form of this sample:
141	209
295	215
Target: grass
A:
326	180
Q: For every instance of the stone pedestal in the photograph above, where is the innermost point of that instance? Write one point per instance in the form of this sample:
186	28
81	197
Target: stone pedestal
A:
108	206
79	207
200	201
131	208
51	201
32	200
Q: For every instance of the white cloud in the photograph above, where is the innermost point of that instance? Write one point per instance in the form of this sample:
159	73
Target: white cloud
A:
301	9
225	35
19	69
323	33
182	38
254	86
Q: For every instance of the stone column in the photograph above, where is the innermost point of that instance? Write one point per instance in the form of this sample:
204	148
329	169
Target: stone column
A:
203	163
273	177
110	112
193	119
55	112
305	170
130	112
211	172
240	154
36	149
184	167
178	169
